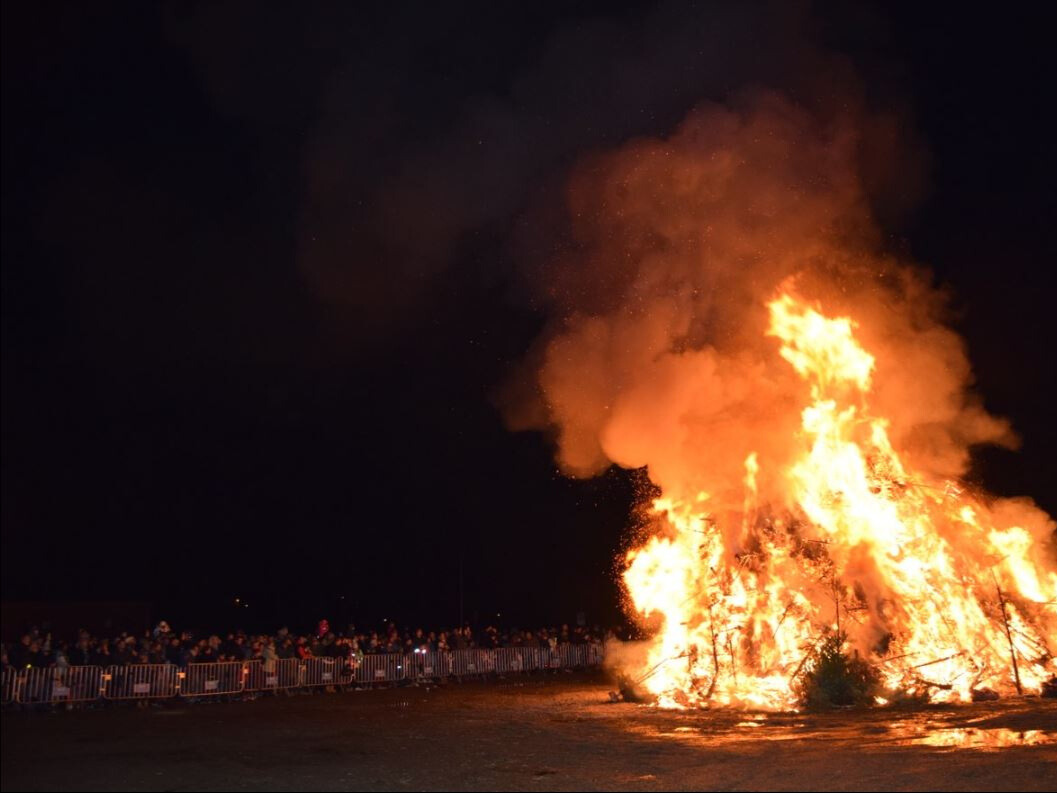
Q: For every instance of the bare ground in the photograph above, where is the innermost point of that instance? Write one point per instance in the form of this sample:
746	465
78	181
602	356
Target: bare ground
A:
542	733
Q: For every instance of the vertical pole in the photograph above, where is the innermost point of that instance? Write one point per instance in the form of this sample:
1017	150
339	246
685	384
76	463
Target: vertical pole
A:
836	604
1009	636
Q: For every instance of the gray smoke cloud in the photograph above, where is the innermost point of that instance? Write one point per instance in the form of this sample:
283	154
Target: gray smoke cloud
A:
658	355
407	168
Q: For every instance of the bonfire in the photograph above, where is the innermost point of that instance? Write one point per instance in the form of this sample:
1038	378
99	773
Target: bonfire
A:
876	582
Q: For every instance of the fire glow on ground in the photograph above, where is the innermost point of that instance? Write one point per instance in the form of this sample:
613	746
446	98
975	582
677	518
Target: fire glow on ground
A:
531	734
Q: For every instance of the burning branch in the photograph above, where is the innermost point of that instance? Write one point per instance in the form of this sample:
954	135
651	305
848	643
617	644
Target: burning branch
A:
715	653
1009	636
938	660
774	633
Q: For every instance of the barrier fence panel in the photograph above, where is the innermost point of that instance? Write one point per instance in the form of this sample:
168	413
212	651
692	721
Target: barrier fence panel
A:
596	653
213	679
531	658
35	685
10	681
325	672
60	684
142	681
470	663
573	656
508	660
424	665
271	675
461	664
387	668
566	656
287	674
590	658
253	675
485	661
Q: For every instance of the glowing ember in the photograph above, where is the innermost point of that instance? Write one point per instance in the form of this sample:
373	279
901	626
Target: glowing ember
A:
937	590
984	739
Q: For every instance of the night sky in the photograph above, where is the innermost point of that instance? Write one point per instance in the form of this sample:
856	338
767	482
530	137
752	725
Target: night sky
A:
260	290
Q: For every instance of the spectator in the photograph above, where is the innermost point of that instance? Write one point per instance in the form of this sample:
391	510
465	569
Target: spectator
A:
34	658
18	654
39	649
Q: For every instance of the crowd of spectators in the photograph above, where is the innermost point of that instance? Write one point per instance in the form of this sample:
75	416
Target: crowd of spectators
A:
163	645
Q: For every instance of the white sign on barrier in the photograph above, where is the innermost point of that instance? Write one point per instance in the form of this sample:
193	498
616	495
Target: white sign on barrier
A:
211	685
379	674
271	680
141	688
60	691
328	676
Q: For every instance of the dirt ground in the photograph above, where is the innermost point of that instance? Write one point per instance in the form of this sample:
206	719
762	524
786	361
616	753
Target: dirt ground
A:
542	733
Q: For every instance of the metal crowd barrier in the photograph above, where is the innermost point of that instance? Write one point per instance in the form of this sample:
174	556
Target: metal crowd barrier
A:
213	679
8	690
59	684
387	668
200	681
324	672
140	681
272	675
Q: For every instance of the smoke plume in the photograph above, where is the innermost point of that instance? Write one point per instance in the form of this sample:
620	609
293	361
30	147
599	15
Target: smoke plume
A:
658	354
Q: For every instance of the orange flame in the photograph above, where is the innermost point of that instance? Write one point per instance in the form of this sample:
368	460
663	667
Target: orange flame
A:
928	584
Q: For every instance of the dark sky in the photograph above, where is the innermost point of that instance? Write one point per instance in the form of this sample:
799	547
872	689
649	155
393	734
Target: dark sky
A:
259	290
